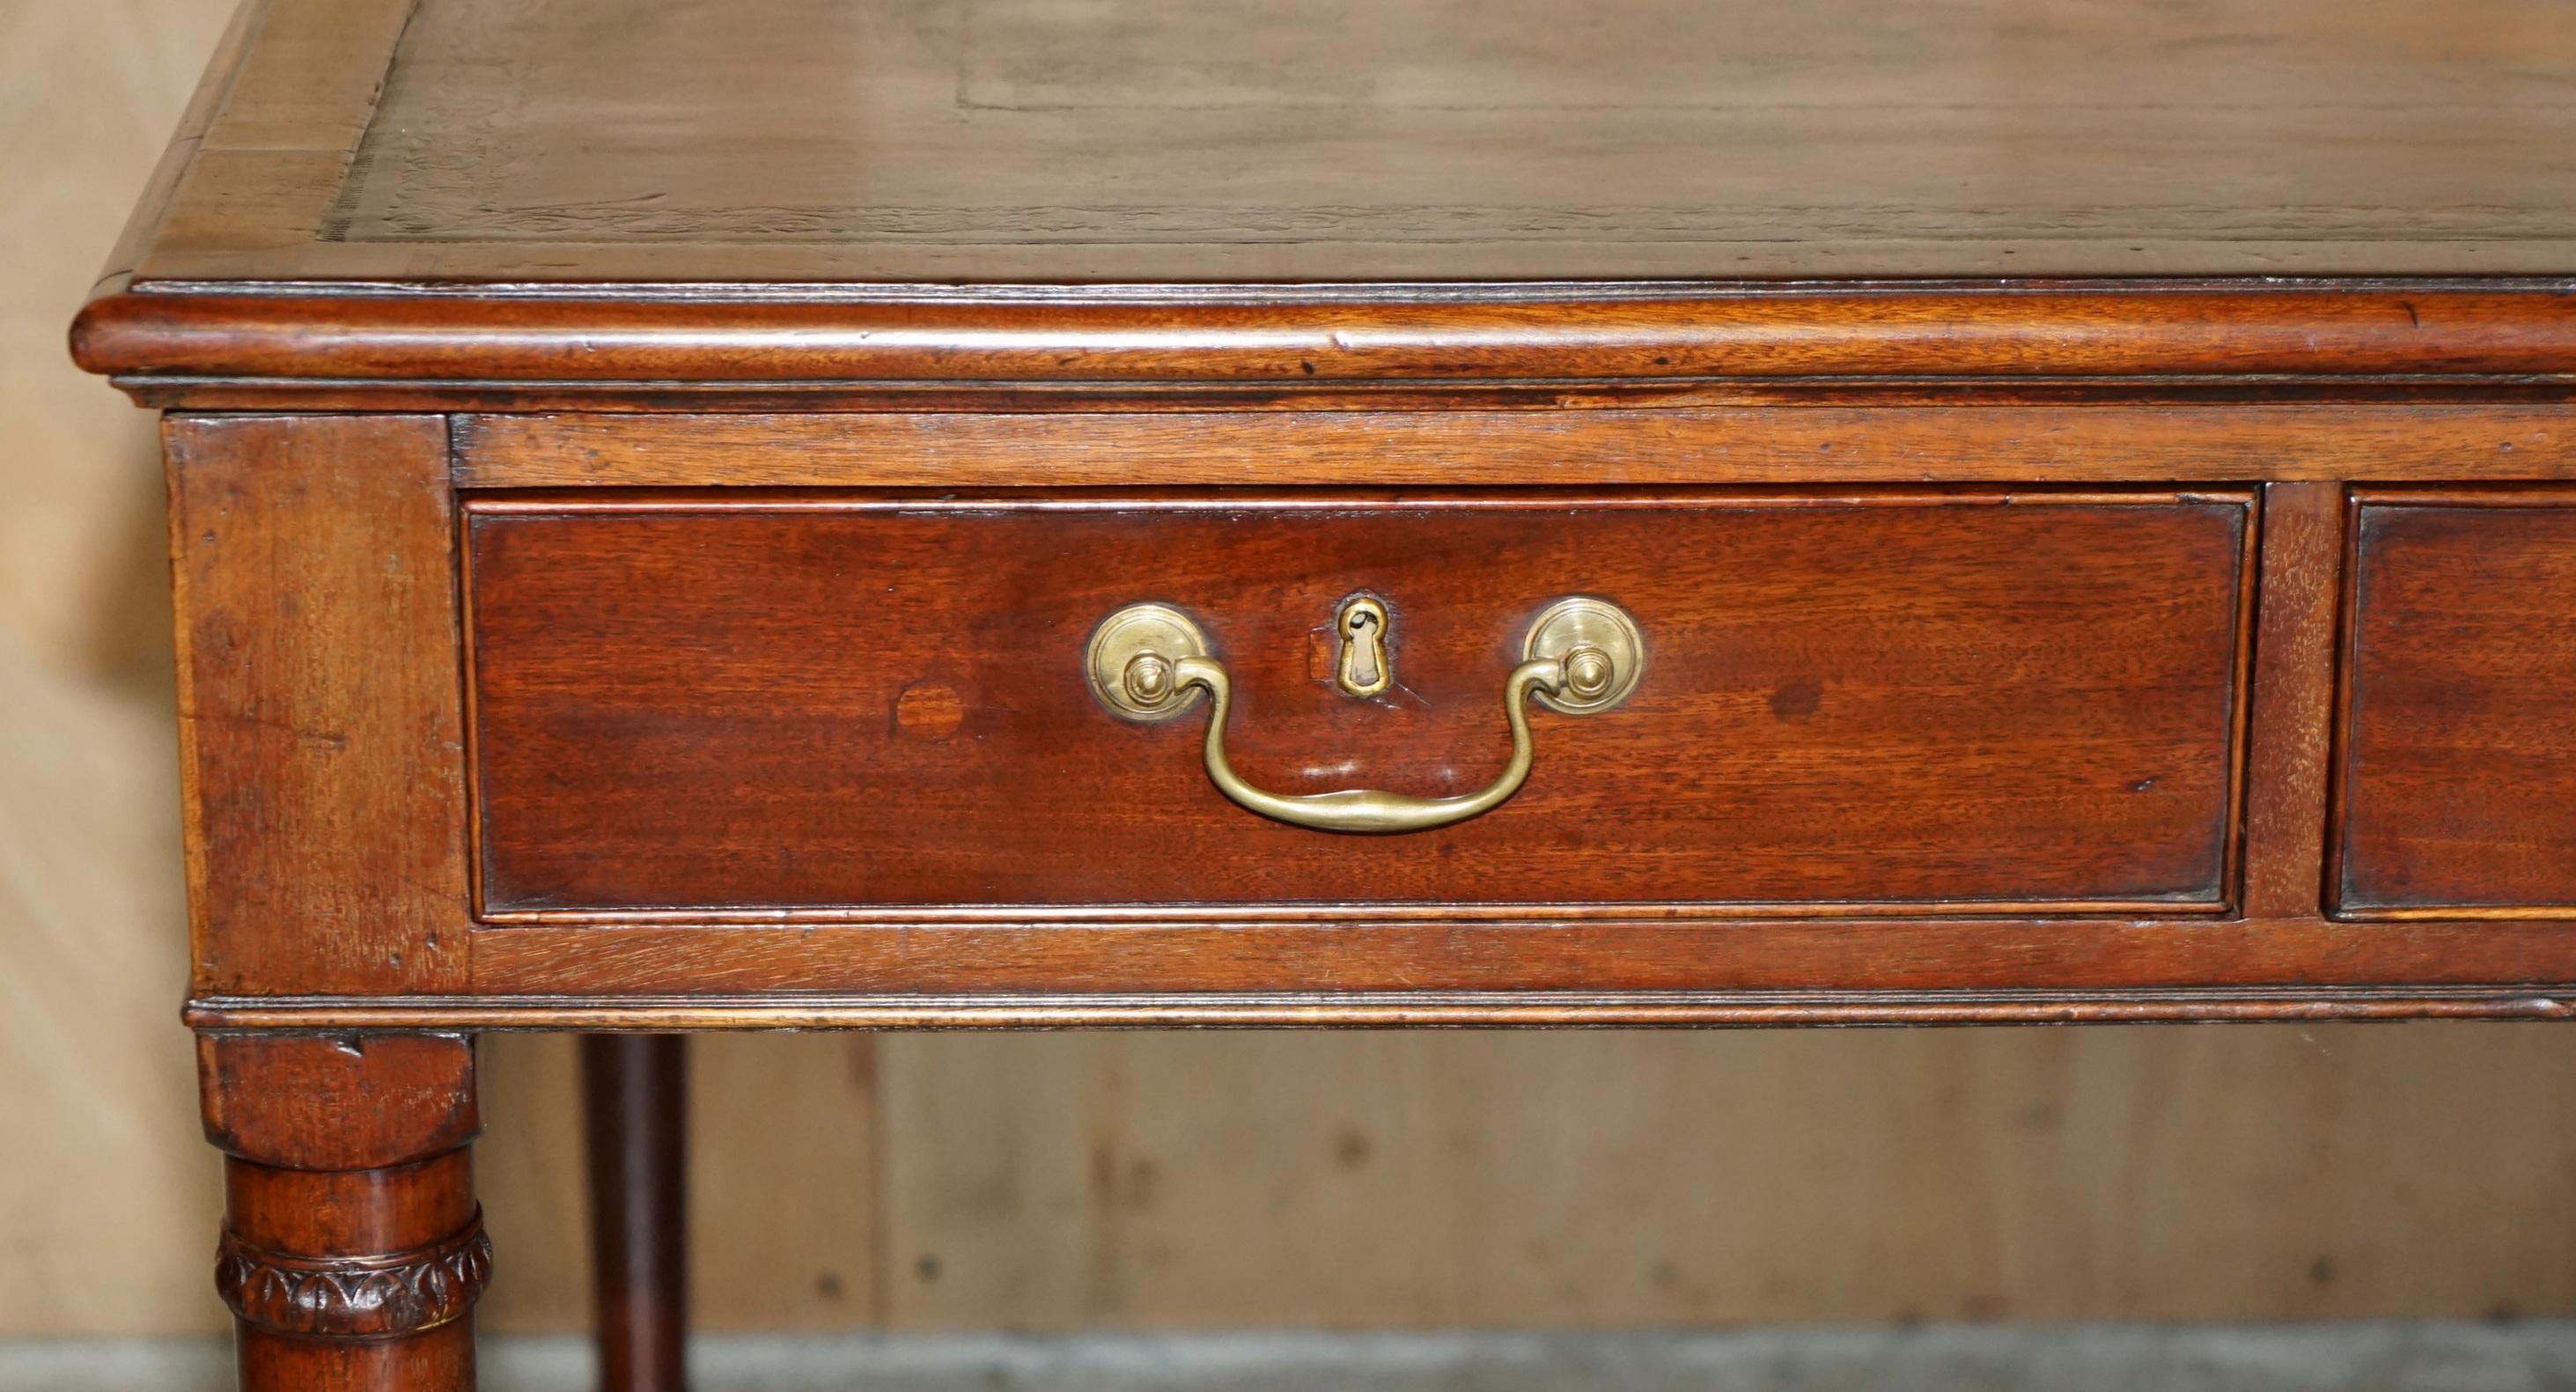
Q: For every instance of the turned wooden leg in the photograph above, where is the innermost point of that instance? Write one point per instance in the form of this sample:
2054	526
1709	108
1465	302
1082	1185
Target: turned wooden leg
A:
635	1097
352	1250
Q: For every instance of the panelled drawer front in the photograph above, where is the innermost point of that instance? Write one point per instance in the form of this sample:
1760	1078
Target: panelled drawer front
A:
2457	742
1855	702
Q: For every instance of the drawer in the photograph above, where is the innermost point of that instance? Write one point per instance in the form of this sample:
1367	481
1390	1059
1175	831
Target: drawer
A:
785	705
2457	744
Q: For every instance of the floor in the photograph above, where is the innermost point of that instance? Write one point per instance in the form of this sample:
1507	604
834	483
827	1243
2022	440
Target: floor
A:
2524	1356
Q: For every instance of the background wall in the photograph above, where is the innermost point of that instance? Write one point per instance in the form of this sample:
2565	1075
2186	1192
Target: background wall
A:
1155	1179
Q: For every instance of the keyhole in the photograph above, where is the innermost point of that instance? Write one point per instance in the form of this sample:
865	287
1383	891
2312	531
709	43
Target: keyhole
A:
1363	668
1364	649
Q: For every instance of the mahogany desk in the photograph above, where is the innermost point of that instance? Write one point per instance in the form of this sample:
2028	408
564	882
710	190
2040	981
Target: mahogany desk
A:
757	514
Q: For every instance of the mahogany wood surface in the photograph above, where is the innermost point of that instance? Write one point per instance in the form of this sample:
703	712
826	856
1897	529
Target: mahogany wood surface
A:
272	395
634	1097
1884	700
2017	444
1298	968
2462	645
1965	254
2288	758
352	1251
192	347
313	560
705	964
1440	1009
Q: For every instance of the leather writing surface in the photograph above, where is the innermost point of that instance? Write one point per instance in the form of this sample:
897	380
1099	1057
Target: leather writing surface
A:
1438	137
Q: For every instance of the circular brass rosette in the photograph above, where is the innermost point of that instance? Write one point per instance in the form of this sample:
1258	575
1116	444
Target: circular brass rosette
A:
1134	661
1599	644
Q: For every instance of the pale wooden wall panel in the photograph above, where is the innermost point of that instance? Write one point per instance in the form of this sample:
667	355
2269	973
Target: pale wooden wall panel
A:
1620	1179
782	1183
783	1180
107	1200
528	1170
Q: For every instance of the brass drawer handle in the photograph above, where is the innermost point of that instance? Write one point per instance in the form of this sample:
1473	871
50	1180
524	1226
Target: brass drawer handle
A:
1149	662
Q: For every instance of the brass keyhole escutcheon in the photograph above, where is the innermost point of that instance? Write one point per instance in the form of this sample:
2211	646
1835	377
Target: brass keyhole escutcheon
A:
1363	670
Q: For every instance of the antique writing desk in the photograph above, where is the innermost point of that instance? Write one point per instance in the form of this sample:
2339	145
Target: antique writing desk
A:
695	516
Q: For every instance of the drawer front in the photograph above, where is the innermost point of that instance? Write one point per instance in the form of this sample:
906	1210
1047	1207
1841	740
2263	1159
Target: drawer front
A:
2458	746
845	705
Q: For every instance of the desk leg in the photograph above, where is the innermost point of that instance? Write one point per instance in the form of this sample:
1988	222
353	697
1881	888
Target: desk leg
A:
635	1100
352	1250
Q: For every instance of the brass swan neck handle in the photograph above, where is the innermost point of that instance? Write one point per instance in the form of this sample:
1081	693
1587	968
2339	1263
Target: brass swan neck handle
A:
1149	661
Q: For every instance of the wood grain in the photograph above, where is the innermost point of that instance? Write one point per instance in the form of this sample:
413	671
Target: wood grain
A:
1881	444
257	395
1944	701
2003	334
353	1251
803	141
1376	1180
1837	958
287	111
1490	1180
356	1103
2293	699
783	1182
635	1126
2355	195
212	88
1443	1007
319	710
2460	645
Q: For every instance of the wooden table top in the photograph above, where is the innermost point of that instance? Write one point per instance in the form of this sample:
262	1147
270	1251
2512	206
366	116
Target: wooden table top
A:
812	193
1362	140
